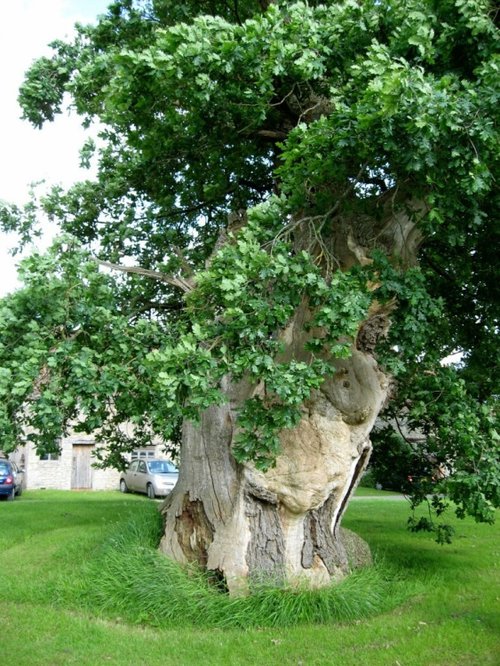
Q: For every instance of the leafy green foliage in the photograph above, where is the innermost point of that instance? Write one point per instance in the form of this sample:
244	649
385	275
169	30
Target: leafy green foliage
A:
77	339
241	304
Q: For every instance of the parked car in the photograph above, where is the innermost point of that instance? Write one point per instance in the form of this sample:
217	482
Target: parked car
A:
153	477
11	479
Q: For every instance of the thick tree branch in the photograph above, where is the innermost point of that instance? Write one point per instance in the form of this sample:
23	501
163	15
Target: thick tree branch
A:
181	283
275	135
265	4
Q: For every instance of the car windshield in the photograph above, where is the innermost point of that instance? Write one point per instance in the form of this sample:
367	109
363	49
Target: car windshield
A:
4	467
161	467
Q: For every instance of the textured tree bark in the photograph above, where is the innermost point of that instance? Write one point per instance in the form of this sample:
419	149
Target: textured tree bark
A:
246	526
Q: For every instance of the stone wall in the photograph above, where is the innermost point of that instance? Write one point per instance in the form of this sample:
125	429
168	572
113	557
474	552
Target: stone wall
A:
59	473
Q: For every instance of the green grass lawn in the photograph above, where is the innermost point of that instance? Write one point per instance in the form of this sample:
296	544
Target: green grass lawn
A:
48	538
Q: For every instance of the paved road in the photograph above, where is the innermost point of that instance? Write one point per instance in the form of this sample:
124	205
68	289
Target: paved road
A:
380	497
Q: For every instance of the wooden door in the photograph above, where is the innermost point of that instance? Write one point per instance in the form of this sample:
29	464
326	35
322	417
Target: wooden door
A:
81	473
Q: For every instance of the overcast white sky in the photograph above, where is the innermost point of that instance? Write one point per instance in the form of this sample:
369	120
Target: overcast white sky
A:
29	155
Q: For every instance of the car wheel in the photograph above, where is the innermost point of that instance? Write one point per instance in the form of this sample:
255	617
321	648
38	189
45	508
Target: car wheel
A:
11	495
123	486
150	491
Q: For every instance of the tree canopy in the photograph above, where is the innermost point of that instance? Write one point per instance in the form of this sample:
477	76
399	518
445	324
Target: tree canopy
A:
253	157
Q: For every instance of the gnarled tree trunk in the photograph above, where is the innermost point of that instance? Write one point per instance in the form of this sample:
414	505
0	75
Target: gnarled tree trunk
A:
246	525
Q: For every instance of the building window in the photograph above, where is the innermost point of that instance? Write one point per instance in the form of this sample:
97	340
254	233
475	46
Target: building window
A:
49	456
143	453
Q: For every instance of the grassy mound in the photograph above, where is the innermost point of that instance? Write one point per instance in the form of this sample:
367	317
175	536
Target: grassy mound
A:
128	578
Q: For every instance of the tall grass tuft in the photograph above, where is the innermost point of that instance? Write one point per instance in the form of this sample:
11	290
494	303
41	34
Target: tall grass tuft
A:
128	578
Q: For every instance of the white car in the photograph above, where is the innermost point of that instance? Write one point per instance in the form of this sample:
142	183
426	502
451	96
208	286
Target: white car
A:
151	476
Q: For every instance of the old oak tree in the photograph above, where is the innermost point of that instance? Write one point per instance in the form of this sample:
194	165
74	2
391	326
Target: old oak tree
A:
291	225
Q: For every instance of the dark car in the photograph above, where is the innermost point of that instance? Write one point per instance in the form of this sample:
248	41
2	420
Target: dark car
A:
11	479
151	476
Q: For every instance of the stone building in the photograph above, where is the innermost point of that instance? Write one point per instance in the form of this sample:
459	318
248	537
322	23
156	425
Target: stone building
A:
72	468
